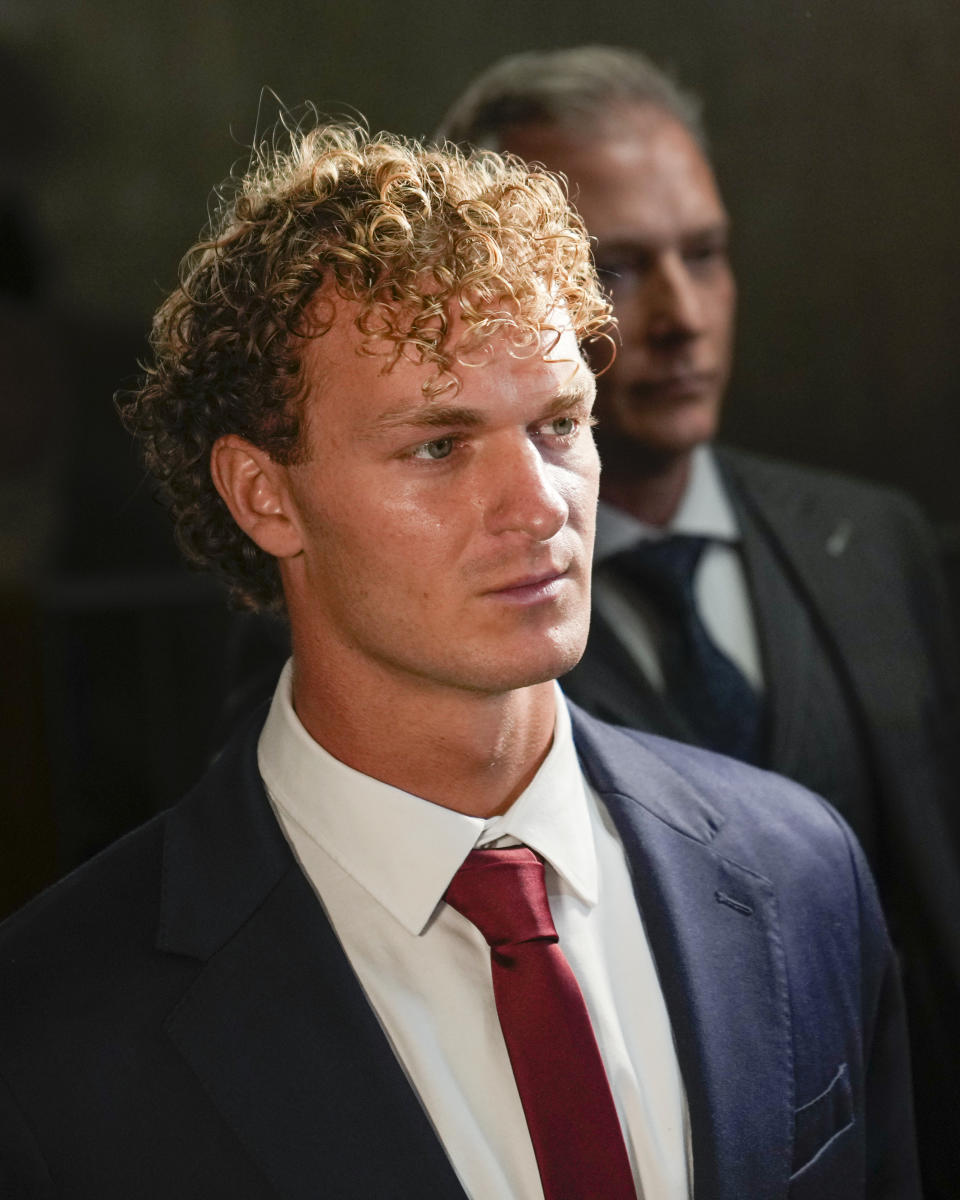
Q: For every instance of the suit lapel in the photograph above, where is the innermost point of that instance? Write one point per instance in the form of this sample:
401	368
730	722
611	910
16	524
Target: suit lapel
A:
785	642
839	565
714	934
825	549
276	1026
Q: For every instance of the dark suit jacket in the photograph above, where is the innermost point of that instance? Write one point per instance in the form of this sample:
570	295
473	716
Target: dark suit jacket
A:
178	1019
862	676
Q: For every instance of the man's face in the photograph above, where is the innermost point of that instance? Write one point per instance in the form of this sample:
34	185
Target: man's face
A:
446	542
648	196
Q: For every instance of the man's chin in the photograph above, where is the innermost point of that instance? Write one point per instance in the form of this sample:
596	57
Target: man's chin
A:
528	671
658	436
563	660
650	450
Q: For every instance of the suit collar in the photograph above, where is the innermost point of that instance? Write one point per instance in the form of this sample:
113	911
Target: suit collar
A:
714	932
807	552
783	630
223	852
616	763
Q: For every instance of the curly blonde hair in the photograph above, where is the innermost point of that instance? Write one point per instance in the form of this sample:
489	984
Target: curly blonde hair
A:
413	234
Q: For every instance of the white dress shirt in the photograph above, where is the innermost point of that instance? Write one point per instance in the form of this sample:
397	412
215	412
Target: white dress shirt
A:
720	583
380	859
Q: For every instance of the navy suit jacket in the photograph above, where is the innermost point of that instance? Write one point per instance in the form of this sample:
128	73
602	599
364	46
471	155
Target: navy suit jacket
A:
178	1019
863	692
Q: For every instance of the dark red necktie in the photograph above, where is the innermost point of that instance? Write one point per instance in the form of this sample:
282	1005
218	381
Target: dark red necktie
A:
563	1087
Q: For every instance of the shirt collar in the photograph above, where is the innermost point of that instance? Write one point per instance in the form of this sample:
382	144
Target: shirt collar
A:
404	850
705	510
551	815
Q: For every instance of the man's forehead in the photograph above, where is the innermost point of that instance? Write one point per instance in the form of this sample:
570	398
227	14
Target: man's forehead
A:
345	342
378	398
621	123
635	155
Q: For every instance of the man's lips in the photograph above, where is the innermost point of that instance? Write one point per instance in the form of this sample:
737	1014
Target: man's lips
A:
677	383
533	585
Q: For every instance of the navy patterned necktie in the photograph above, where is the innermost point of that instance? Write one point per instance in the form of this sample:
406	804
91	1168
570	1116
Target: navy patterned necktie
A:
710	691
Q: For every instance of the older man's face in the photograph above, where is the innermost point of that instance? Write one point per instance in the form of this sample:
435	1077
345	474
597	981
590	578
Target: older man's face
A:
647	195
444	543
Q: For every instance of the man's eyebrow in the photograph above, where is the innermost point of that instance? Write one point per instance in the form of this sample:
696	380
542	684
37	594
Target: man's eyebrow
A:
430	416
711	229
575	394
624	243
444	415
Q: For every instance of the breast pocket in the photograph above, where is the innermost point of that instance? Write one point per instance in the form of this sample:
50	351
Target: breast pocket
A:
819	1123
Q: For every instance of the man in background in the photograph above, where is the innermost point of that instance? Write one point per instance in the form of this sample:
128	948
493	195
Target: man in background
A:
424	929
788	617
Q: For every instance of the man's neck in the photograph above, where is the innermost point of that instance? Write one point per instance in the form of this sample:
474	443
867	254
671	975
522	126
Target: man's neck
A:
471	752
649	489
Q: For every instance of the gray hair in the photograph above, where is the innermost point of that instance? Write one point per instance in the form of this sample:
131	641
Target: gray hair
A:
576	86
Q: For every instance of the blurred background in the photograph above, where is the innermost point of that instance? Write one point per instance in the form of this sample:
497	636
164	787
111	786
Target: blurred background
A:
835	135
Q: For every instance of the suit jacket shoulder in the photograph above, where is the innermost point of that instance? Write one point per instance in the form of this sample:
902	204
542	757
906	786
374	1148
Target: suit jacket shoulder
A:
770	477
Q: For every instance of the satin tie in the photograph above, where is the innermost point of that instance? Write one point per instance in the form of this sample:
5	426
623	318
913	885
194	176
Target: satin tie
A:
563	1086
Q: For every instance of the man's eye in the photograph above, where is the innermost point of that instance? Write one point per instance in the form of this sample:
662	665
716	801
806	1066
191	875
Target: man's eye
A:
438	448
619	274
705	253
563	428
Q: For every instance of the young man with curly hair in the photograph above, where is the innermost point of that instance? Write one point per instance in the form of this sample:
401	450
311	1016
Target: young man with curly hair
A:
424	930
824	593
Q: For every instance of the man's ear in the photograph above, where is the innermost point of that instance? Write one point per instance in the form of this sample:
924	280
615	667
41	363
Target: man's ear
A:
254	488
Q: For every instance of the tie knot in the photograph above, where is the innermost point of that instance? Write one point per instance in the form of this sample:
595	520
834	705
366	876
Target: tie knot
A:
503	892
670	561
667	565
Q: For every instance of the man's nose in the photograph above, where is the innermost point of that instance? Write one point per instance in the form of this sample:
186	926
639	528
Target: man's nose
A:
674	304
523	496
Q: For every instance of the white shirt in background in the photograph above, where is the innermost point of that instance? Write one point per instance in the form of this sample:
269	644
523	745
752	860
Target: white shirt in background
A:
720	583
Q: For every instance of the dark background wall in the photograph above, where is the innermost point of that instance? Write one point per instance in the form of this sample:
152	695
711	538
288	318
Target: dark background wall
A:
834	128
834	125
